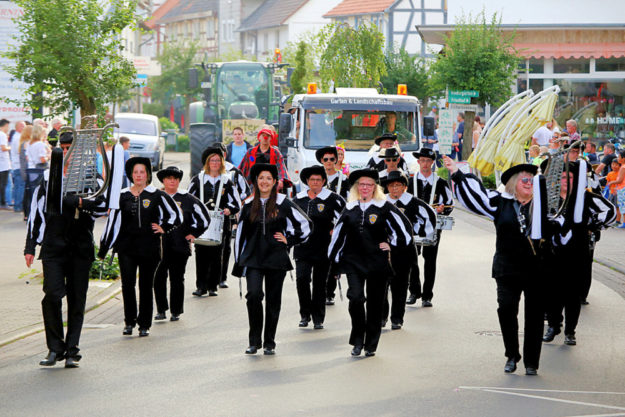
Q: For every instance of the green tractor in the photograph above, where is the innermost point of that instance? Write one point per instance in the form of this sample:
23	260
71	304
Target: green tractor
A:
241	93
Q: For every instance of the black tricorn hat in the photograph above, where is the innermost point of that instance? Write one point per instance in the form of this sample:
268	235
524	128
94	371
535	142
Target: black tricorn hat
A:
391	152
328	149
313	170
130	165
66	137
395	176
386	136
505	177
210	150
169	172
365	172
425	153
258	167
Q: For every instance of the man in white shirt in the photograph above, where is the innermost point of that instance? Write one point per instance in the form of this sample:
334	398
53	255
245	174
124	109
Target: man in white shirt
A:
16	174
543	135
5	161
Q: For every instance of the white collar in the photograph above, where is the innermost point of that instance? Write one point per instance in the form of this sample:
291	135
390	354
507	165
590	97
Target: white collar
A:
406	198
229	166
150	189
429	179
507	195
331	177
181	192
325	193
377	203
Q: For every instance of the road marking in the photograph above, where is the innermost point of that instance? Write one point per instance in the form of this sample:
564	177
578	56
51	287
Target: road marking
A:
545	390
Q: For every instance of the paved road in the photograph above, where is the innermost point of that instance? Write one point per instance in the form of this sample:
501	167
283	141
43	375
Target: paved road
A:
446	361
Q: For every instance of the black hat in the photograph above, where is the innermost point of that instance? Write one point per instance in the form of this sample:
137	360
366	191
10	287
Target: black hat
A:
66	137
425	153
221	146
313	170
365	172
328	149
169	172
130	165
575	145
386	136
211	150
532	169
391	152
258	167
395	176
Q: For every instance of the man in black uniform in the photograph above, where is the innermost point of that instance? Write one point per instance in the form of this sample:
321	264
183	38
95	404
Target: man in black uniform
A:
67	253
337	181
385	141
423	182
323	207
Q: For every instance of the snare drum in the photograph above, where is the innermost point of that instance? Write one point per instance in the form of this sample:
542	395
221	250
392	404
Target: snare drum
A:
214	234
444	222
429	240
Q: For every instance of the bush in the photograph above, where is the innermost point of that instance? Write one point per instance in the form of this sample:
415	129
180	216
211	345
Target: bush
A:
490	182
110	267
167	124
156	109
183	143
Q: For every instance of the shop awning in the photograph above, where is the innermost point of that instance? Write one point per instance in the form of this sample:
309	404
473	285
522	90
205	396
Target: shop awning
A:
571	50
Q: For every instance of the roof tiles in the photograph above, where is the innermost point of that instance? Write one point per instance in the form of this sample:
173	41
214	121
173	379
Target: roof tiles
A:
356	7
270	14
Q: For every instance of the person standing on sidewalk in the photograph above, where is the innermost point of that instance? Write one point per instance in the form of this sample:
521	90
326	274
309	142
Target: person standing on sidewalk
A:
67	253
16	173
5	162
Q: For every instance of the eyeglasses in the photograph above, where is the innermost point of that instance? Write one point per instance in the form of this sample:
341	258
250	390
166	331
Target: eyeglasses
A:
391	159
365	185
527	180
315	179
329	159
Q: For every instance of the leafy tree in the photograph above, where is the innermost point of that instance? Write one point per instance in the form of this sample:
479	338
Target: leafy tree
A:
302	71
401	68
351	57
477	56
69	53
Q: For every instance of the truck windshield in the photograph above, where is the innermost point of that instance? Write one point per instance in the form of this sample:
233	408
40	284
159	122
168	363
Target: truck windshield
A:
136	126
357	128
242	92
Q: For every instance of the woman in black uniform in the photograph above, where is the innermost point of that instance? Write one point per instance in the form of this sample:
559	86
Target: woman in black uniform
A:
361	244
269	225
176	245
323	207
208	259
517	260
134	231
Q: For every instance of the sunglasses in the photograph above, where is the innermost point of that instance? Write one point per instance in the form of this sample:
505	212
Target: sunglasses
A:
527	180
391	159
329	159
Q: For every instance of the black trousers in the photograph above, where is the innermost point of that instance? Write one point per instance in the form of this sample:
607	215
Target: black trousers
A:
128	266
366	311
312	304
587	279
65	276
225	258
274	279
4	180
399	288
564	293
208	260
332	282
430	253
508	298
174	264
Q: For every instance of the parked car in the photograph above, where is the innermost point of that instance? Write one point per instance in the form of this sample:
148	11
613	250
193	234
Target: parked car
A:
144	132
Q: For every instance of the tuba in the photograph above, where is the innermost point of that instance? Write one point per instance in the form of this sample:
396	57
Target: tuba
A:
557	163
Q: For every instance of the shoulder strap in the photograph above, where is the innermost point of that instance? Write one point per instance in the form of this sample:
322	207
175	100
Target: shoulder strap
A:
222	179
200	178
434	183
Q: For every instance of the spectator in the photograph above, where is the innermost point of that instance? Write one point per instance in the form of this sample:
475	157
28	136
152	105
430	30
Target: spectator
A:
542	136
534	155
38	156
590	152
53	135
125	142
235	151
619	182
612	197
456	144
16	173
571	129
5	161
269	153
477	131
23	145
606	162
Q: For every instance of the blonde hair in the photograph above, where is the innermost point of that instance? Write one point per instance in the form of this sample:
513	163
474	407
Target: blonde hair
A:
37	133
512	182
535	149
222	169
26	136
354	194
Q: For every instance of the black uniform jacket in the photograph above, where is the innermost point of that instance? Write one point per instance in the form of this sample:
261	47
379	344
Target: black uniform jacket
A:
255	245
62	234
129	228
229	195
355	244
195	222
378	164
333	183
421	215
323	210
442	194
240	183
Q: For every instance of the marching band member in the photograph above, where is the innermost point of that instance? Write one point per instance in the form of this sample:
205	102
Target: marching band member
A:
385	141
391	159
327	157
216	188
176	244
66	255
423	219
323	207
134	231
442	200
360	245
269	224
585	212
516	257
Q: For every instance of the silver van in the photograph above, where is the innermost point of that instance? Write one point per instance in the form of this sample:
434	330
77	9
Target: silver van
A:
144	132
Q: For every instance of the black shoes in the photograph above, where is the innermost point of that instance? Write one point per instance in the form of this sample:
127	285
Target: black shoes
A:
383	323
51	359
570	340
269	351
395	326
550	334
356	350
426	303
369	353
160	316
510	366
144	332
531	371
212	293
127	330
71	362
174	317
223	284
412	299
584	302
330	301
198	292
304	322
251	350
318	326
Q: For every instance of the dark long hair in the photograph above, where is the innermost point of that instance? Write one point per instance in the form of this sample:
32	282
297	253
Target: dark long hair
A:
270	206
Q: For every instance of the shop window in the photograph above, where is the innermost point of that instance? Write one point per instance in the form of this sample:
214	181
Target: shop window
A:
537	66
610	64
535	84
571	66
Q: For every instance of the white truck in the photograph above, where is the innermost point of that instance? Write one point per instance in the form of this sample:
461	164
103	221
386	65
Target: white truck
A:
353	117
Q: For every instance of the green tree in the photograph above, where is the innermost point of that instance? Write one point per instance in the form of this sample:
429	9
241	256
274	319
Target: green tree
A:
69	53
401	68
351	57
302	71
175	60
477	56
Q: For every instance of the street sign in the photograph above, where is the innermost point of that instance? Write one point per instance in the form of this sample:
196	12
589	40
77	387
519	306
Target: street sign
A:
445	131
462	97
463	107
146	65
142	80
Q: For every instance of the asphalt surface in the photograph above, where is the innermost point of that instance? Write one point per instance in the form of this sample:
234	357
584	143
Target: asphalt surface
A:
446	361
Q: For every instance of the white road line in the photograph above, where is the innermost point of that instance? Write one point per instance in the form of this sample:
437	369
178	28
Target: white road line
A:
545	390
